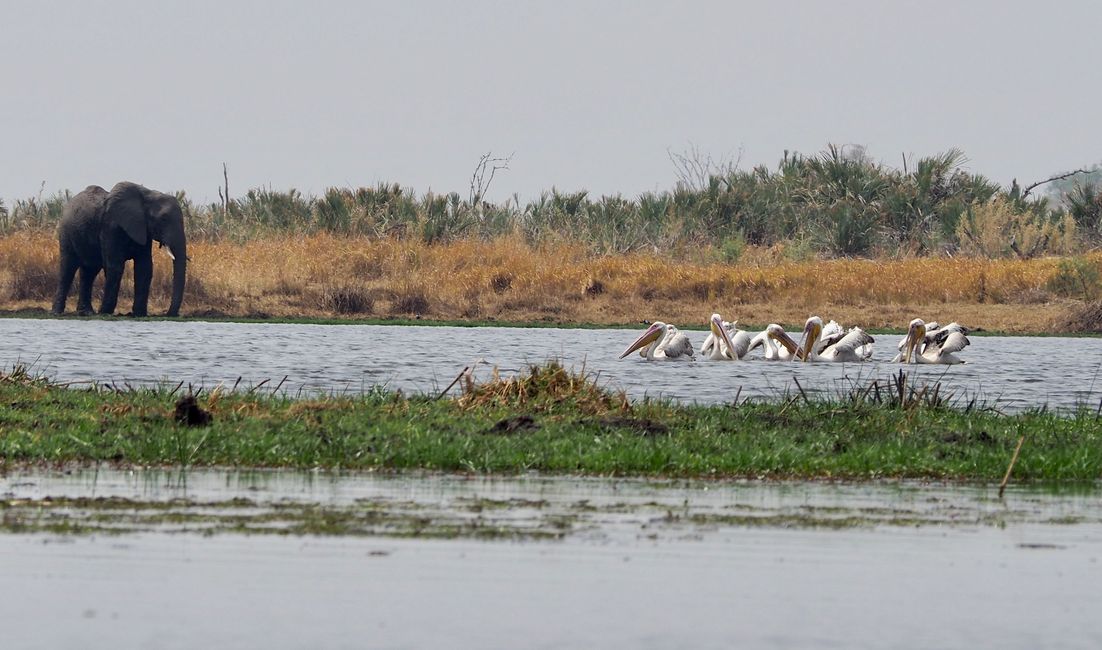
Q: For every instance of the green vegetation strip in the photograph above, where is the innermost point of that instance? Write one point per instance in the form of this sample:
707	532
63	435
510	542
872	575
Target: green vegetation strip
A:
549	420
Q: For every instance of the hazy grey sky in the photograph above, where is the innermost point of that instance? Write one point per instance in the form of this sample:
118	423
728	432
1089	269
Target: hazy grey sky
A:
584	94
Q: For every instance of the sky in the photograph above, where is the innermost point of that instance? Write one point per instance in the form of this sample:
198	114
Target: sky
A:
582	95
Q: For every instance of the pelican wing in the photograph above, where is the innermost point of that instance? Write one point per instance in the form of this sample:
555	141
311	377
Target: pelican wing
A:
827	341
831	334
758	340
952	342
677	346
831	328
851	347
709	341
741	341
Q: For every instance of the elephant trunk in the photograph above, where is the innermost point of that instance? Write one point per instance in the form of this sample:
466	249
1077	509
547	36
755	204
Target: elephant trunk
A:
179	276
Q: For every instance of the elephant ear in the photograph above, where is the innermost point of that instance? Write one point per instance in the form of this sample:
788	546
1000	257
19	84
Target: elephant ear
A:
125	206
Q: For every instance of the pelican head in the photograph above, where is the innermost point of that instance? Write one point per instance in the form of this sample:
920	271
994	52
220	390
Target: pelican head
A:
777	333
720	332
654	333
916	334
813	331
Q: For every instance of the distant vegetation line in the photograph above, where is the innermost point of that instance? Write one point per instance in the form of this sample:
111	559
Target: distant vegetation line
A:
838	203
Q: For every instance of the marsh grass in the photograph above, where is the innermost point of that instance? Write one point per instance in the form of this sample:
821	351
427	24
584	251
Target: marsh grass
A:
547	419
508	279
542	388
344	299
28	267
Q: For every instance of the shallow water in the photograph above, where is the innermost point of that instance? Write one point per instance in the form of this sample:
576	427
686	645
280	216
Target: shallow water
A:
1010	373
641	564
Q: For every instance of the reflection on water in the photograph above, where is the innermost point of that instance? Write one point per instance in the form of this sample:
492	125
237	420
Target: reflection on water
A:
1009	372
645	565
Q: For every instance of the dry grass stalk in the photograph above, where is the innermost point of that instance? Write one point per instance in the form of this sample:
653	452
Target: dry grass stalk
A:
508	279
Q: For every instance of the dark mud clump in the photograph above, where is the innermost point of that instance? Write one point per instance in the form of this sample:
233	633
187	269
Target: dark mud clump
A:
518	424
642	426
189	413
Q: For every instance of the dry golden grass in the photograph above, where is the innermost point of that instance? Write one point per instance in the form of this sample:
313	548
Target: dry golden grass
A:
506	279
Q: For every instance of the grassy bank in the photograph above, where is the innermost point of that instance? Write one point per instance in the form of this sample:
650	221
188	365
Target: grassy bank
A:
549	420
507	279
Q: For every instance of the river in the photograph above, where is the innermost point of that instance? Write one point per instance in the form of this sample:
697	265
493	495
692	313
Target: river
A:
632	563
1006	372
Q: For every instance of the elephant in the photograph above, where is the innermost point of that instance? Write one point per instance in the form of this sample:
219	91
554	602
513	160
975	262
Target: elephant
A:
102	230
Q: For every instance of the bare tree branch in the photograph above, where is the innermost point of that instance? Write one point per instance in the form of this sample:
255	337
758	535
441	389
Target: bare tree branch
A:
695	169
226	199
480	183
1058	177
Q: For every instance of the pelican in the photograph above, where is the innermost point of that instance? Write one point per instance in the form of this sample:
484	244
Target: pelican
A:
725	341
938	348
854	345
660	343
671	333
933	332
769	338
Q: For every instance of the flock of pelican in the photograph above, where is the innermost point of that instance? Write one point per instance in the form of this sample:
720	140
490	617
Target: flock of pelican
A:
924	343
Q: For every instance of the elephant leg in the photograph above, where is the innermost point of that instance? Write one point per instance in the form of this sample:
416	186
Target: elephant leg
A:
84	297
67	269
112	279
143	276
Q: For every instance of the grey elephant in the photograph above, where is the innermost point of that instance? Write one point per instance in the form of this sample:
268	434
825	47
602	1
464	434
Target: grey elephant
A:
101	230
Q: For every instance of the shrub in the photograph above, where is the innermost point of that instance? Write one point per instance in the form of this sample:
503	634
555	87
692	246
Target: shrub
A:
1075	277
998	228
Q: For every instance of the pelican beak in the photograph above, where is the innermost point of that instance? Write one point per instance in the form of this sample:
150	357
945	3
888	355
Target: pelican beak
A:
784	339
812	332
915	335
720	332
648	337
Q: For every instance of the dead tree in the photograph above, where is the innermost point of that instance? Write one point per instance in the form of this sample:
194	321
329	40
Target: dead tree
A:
483	175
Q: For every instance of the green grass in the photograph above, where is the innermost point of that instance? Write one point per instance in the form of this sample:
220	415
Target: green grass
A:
552	421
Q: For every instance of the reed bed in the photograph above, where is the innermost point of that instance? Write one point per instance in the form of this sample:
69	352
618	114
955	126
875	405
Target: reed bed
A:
509	279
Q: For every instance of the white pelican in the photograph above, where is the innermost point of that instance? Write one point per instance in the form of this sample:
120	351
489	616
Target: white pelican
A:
854	345
672	333
769	338
725	341
933	332
660	343
939	348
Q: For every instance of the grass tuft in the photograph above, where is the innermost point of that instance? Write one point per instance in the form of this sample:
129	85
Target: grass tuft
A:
542	388
347	299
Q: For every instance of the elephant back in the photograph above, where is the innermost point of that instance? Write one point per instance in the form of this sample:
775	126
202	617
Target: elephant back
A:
85	209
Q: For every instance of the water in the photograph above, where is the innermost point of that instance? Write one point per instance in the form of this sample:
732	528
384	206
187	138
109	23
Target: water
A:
642	564
1010	373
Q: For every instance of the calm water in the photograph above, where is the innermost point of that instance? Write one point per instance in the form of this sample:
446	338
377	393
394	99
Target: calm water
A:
1010	372
643	565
